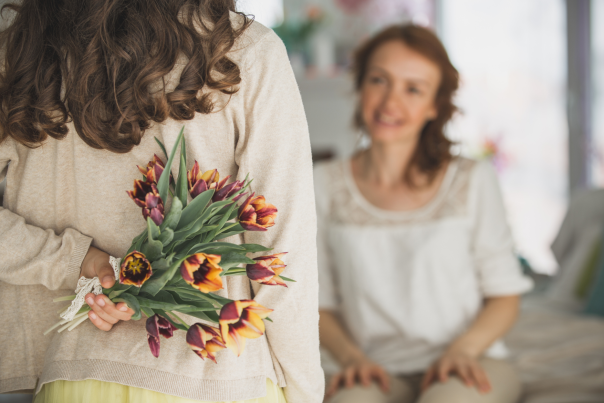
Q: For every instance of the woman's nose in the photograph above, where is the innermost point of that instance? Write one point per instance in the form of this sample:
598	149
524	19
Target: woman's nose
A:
393	102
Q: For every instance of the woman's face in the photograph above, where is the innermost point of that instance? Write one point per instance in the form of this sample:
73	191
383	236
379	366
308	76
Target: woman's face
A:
398	93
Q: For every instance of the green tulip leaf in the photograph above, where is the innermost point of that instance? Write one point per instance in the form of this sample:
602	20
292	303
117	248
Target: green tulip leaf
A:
221	223
173	217
152	250
162	296
201	305
236	230
161	264
195	209
147	311
164	180
253	248
138	242
166	237
161	145
287	279
148	303
132	303
232	259
215	248
209	316
181	182
154	285
219	299
152	229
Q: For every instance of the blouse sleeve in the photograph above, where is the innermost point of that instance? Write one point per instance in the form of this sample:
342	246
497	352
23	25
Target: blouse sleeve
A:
32	255
274	147
498	268
327	284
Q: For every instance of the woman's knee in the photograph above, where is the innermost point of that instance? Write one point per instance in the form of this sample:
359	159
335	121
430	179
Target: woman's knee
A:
505	387
400	392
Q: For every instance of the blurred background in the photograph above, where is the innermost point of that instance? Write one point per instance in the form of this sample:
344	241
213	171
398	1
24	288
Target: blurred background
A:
532	82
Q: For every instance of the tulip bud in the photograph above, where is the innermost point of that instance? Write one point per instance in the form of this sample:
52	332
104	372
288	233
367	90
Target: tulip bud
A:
153	170
145	195
157	325
204	341
200	182
257	215
267	270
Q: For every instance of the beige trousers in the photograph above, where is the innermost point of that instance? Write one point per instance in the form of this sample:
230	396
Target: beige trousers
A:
406	389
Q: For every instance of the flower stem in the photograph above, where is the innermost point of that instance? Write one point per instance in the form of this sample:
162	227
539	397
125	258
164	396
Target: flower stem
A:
78	322
68	324
66	298
179	319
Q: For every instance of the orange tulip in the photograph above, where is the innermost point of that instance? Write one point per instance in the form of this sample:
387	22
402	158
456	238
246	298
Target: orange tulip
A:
255	214
202	272
204	341
267	270
240	320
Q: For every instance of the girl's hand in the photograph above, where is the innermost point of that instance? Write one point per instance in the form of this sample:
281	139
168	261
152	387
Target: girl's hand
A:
462	364
104	313
359	370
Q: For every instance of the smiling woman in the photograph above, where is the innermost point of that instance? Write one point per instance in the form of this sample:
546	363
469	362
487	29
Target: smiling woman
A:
418	278
382	67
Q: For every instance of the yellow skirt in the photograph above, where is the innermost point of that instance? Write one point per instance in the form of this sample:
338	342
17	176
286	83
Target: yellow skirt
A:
93	391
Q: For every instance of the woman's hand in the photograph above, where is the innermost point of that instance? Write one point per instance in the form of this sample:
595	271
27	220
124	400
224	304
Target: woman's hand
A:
359	370
104	313
462	364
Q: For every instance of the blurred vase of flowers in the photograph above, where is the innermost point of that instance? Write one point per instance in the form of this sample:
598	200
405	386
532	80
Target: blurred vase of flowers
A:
296	35
491	148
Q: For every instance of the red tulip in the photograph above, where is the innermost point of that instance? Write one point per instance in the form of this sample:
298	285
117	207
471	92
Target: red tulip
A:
145	195
157	325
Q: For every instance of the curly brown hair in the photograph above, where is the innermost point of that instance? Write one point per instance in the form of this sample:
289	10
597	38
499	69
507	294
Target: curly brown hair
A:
94	62
434	148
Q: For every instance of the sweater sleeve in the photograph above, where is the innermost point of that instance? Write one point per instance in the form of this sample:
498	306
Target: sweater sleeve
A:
31	255
498	268
274	147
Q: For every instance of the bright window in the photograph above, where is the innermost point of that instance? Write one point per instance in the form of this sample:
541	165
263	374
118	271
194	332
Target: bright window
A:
512	59
597	45
267	12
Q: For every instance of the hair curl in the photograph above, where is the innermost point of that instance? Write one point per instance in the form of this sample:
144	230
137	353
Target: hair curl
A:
95	62
434	148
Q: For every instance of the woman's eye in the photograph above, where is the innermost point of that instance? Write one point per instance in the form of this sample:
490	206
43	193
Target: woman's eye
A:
414	90
376	80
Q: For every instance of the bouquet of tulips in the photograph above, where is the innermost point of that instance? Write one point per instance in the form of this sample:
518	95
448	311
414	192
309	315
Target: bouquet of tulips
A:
177	263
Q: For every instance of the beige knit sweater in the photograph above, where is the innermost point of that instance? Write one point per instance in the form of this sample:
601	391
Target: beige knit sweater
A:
64	195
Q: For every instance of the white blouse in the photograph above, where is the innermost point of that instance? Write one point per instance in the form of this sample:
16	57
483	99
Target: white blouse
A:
406	284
